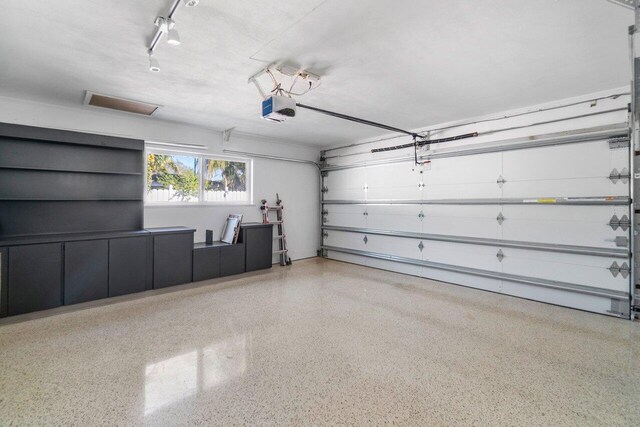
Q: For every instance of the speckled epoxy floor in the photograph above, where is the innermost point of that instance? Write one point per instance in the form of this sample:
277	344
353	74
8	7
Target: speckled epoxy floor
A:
321	342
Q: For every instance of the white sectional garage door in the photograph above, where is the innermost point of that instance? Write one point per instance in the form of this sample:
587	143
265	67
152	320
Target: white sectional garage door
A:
541	218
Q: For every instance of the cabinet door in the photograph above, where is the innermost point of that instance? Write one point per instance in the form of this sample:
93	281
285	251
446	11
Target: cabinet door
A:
206	264
172	260
86	271
127	265
35	278
232	259
259	244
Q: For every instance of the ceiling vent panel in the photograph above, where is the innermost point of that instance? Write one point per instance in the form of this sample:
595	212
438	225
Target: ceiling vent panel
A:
120	104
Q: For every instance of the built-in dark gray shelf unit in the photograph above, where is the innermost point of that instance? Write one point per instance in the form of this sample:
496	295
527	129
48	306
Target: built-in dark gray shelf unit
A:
252	252
56	181
71	225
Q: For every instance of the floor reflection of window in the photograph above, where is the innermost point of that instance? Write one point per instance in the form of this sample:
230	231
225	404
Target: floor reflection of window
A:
170	380
179	377
224	360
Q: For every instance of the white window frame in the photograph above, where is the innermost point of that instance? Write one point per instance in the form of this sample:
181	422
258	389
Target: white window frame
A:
201	161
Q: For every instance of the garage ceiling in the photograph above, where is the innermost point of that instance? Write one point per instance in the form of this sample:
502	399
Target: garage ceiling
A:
407	63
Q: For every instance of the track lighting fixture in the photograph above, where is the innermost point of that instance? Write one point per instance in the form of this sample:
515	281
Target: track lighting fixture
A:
165	26
173	38
154	65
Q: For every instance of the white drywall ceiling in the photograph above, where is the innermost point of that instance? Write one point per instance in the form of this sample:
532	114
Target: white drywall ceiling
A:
407	63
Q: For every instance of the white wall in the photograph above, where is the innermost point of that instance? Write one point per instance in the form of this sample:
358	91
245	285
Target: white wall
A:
296	183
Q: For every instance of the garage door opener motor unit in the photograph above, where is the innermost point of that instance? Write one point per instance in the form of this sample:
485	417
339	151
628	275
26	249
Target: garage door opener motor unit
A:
278	108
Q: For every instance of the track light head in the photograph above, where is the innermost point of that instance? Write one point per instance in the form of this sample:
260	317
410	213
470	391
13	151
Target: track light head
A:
173	38
191	3
154	65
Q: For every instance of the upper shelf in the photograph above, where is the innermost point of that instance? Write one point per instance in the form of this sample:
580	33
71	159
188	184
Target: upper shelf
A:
78	170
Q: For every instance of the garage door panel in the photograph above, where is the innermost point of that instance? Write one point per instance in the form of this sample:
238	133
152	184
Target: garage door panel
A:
483	168
460	254
393	175
346	216
570	225
569	268
395	193
472	177
391	245
470	221
353	259
584	187
461	191
397	267
347	184
343	239
558	297
394	217
587	160
347	193
488	284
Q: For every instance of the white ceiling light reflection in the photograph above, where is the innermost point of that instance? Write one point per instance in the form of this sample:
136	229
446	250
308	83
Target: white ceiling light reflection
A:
174	379
224	360
170	380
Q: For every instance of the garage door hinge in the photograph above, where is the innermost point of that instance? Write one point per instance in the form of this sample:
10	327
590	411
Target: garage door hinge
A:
324	189
500	218
616	269
325	212
324	174
365	240
421	246
500	255
622	241
421	215
421	185
501	181
325	234
616	176
617	308
623	222
618	142
365	213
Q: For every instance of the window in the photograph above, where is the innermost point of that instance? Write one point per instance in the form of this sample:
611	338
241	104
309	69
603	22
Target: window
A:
190	179
225	180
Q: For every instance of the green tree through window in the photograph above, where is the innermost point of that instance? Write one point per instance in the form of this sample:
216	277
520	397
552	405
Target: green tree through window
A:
225	175
172	172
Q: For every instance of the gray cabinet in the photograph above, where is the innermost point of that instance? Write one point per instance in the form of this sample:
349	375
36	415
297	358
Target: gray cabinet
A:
206	262
35	278
259	243
172	256
128	258
86	271
232	259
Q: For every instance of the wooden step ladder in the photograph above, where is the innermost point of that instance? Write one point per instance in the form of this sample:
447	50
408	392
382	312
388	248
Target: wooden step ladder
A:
280	236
